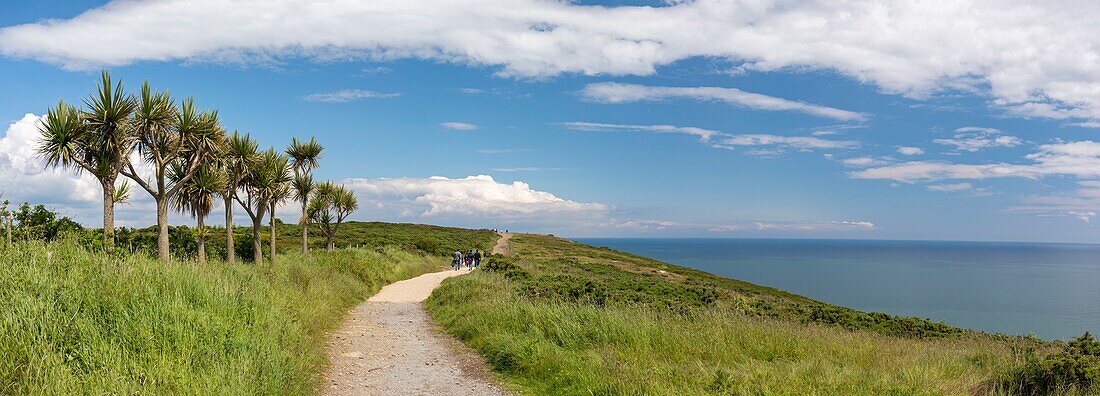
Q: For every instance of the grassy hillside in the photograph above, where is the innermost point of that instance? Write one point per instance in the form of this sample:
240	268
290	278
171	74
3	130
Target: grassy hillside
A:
563	317
77	322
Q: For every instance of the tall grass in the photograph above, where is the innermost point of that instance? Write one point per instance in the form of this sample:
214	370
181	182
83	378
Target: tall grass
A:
553	347
74	321
565	318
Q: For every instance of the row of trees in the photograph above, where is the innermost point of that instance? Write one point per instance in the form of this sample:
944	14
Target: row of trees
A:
191	161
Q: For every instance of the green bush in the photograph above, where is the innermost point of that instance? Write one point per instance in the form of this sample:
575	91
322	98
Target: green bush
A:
1074	369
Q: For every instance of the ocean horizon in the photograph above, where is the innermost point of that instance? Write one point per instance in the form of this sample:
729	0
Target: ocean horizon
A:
1048	290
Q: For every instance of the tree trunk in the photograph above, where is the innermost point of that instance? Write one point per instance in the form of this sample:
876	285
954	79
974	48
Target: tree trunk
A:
272	228
257	243
230	249
162	229
109	215
200	239
8	228
330	244
305	228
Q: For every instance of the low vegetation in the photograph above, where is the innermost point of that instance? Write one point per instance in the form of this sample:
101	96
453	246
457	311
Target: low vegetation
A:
566	318
76	321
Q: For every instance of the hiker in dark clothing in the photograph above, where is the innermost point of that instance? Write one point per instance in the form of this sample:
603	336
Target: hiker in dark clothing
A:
477	259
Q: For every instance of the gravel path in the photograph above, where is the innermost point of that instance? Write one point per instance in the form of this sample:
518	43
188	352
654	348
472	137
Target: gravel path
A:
502	244
387	346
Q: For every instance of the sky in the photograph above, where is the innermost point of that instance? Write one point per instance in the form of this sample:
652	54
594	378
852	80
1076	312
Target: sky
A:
952	120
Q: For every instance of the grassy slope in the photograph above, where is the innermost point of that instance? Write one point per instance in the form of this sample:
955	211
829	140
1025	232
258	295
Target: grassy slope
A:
77	322
576	319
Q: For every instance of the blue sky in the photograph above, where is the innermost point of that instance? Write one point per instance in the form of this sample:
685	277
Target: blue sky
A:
709	118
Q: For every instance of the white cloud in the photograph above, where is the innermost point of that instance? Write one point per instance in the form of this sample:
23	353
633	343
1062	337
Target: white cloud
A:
718	139
815	226
950	187
1034	59
24	176
1082	204
471	91
347	95
470	198
975	138
1079	159
458	126
624	93
862	162
904	150
374	70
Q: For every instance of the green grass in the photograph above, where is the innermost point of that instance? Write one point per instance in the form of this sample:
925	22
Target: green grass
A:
565	318
77	322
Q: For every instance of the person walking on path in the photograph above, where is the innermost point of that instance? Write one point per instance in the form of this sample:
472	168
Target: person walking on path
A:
457	262
477	259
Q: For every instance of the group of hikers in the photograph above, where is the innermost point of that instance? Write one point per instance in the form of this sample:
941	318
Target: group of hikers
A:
471	259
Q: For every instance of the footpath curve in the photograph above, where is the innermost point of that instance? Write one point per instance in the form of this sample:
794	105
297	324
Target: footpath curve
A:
388	346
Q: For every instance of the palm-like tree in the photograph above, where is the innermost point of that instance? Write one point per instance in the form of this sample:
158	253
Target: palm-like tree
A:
97	140
304	157
197	196
279	194
266	180
240	155
5	217
165	134
331	204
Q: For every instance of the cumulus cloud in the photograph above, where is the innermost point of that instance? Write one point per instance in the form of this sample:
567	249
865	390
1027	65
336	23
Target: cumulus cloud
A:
24	176
718	139
624	93
1078	159
975	138
458	126
903	150
473	197
347	95
1034	59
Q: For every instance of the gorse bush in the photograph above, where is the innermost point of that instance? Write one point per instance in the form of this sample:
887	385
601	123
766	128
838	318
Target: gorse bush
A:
1073	369
74	321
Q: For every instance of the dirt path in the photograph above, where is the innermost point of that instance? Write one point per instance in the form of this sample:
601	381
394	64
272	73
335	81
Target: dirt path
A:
502	244
387	346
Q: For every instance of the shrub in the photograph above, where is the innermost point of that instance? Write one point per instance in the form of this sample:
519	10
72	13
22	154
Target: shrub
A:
1074	369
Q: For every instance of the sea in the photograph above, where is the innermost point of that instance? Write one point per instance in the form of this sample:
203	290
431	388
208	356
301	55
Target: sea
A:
1048	290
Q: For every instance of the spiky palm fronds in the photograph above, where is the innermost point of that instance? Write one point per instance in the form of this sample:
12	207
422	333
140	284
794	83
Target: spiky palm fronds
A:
97	139
62	137
304	155
330	206
154	123
303	186
123	192
199	193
